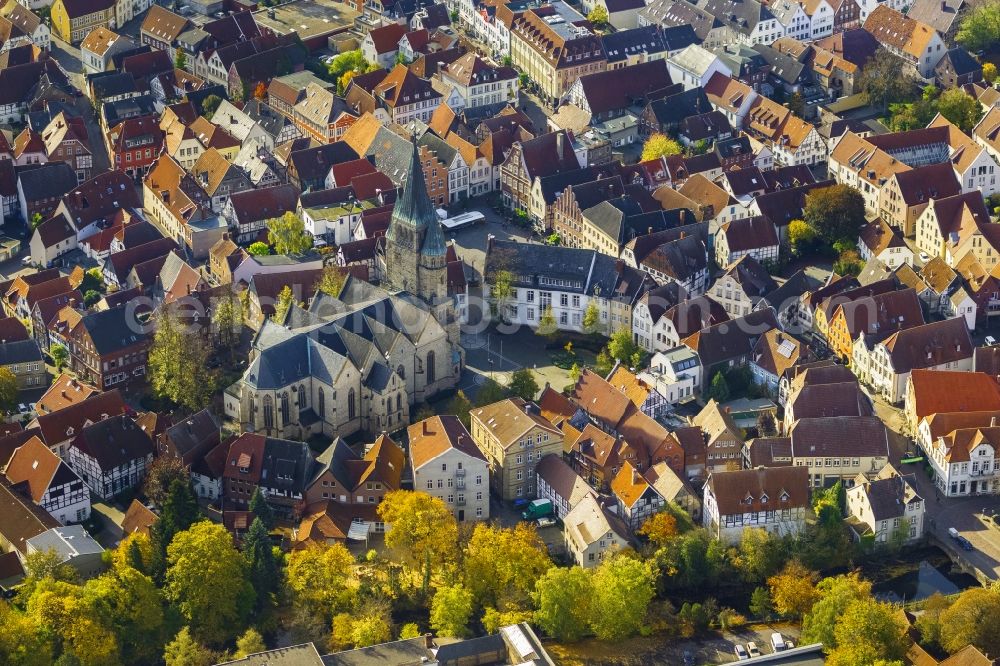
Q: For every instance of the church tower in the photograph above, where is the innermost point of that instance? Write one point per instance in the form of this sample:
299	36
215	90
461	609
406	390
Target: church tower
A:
415	248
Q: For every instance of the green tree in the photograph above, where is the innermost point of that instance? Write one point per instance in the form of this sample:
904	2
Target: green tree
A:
261	509
884	80
501	291
490	392
796	104
160	476
866	632
41	565
623	588
451	609
523	384
766	426
659	145
251	642
929	621
259	249
493	619
207	583
973	618
180	60
92	279
178	364
592	318
288	235
36	220
621	347
960	108
691	561
349	61
835	596
184	650
563	601
848	263
980	29
262	568
210	105
659	528
286	299
460	406
760	604
22	641
227	318
989	72
793	590
547	323
331	281
718	390
575	372
424	531
370	629
502	565
598	16
8	390
179	512
603	363
59	356
90	297
63	611
835	212
319	578
760	554
409	630
129	604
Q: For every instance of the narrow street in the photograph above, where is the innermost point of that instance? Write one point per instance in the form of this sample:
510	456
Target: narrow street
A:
68	57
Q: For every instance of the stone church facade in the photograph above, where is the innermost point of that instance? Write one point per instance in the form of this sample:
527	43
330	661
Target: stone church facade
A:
358	362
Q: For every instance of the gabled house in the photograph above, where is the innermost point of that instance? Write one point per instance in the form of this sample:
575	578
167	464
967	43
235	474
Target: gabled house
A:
49	481
279	468
447	464
772	498
111	456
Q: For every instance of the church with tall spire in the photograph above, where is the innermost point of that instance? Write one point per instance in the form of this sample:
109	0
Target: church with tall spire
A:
415	247
414	259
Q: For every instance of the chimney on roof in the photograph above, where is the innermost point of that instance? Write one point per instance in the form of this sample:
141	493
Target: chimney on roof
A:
683	215
428	641
559	145
683	234
619	266
635	476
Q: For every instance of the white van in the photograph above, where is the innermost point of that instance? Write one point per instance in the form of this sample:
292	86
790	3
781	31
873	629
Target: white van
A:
777	642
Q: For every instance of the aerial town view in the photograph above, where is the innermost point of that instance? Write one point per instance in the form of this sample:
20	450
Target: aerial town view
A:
500	332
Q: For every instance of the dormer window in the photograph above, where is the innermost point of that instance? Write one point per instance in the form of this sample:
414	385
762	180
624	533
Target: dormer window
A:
749	499
784	496
763	499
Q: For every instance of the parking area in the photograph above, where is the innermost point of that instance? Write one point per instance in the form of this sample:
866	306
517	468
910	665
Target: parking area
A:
716	649
471	241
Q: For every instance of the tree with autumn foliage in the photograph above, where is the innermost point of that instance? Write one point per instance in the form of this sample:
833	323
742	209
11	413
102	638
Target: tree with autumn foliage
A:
260	91
659	528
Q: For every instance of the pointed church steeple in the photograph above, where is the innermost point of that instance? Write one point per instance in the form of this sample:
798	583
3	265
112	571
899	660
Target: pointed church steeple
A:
414	221
415	247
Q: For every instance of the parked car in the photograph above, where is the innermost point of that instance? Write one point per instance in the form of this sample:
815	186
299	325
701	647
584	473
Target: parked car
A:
924	257
953	533
546	522
965	543
777	642
752	649
741	653
989	340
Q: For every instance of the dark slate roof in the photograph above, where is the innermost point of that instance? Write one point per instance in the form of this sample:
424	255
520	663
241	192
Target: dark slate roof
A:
729	148
111	84
675	108
113	330
414	210
21	351
113	442
648	39
131	107
784	67
961	61
789	292
51	180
